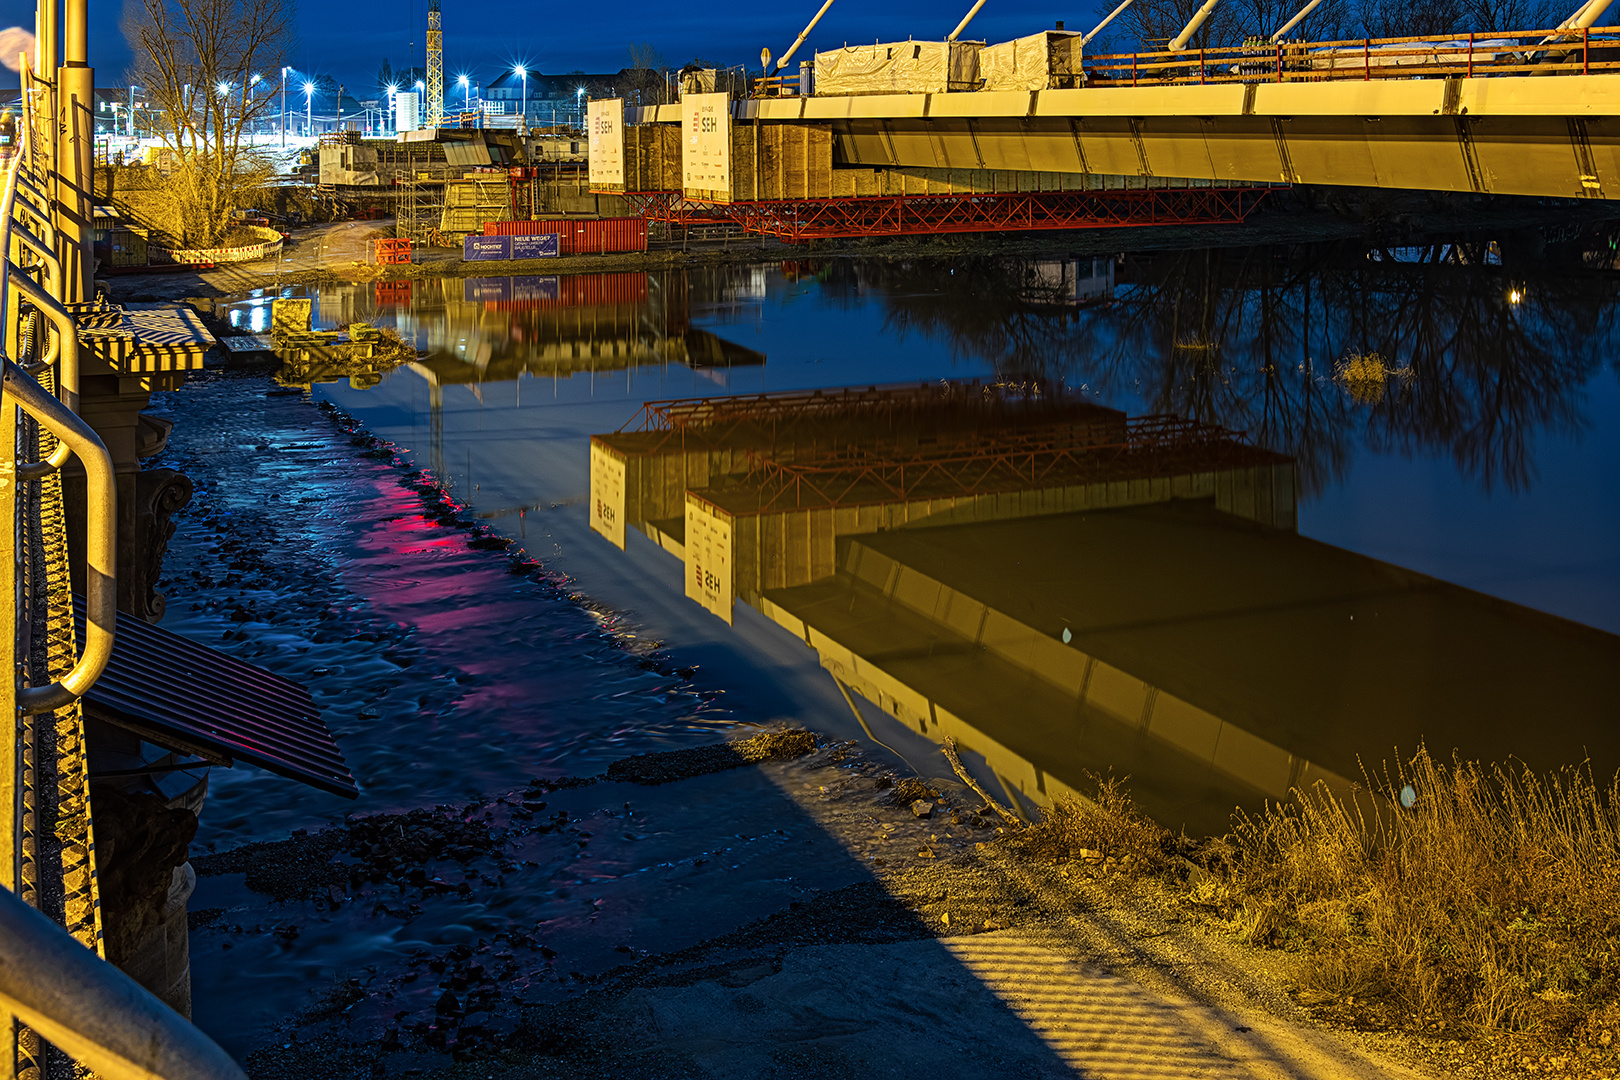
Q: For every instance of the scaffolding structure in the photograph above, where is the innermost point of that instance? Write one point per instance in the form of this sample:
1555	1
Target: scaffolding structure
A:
1010	459
903	215
792	424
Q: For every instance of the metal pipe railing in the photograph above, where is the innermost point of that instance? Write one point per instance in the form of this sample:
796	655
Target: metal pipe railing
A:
101	539
92	1011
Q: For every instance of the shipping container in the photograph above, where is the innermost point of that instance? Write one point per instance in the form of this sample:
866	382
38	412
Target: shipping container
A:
580	236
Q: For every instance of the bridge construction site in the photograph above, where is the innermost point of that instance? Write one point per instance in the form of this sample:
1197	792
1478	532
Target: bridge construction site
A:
958	136
929	137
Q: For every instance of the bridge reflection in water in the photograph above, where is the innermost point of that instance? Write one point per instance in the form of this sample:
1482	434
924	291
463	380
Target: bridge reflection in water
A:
1176	629
1069	590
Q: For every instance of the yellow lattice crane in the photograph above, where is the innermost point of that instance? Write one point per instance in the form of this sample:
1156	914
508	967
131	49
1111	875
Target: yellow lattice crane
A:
435	68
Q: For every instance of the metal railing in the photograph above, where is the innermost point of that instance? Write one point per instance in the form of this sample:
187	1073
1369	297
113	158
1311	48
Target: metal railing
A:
58	415
92	1011
1570	51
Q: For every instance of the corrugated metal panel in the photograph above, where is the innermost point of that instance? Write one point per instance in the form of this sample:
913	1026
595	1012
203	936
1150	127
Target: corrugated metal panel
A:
580	235
161	684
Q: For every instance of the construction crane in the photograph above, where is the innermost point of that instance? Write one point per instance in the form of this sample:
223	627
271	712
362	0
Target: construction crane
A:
435	69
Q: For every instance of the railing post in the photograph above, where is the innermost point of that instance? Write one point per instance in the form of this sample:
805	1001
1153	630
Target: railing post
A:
1470	56
1133	69
1201	66
1366	60
1586	50
1279	61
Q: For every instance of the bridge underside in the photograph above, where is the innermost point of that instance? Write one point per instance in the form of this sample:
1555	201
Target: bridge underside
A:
1508	155
1557	136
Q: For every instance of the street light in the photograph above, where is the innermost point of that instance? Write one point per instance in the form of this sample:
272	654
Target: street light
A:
252	82
466	89
284	106
521	72
309	109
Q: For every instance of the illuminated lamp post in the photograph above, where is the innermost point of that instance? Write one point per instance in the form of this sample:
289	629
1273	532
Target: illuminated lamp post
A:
523	112
284	105
309	109
252	82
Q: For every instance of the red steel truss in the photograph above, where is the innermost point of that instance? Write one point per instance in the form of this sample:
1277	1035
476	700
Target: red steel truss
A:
898	215
1005	461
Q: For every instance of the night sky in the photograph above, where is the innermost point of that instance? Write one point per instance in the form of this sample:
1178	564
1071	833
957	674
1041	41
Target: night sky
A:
349	39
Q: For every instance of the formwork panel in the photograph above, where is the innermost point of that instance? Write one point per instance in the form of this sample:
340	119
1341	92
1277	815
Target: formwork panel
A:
1107	146
1185	725
963	615
1254	760
1286	514
1057	664
1116	694
1007	638
822	545
1418	152
796	544
918	592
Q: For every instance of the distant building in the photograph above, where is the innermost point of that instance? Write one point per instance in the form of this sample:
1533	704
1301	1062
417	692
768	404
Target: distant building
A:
561	96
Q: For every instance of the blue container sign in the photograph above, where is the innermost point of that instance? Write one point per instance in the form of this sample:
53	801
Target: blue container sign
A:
544	246
486	247
534	289
479	290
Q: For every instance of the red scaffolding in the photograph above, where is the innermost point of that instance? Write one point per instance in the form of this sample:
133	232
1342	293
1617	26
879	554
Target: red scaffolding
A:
1009	460
898	215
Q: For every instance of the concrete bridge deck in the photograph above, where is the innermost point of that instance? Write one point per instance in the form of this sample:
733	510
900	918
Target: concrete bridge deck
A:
1520	135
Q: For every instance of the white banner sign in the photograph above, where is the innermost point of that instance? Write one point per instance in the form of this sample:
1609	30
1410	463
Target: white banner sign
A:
607	494
706	145
605	122
709	571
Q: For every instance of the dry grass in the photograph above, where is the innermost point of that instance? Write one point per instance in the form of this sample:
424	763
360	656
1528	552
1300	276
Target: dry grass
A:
1107	826
1366	377
1452	896
1453	892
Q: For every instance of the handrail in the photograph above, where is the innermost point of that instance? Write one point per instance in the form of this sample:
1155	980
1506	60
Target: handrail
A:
1558	51
66	329
92	1011
101	539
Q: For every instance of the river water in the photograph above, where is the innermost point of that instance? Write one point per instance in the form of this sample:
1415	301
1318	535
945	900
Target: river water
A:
1481	458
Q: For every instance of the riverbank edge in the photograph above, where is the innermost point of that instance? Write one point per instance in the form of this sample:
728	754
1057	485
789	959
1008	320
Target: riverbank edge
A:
1288	217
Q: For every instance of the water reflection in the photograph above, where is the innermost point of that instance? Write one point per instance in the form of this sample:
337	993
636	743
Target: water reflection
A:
1253	339
1175	628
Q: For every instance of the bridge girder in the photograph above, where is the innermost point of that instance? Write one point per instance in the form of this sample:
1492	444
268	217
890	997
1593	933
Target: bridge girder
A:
1506	135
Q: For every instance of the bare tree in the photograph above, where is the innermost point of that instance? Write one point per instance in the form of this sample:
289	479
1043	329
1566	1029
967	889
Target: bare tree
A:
209	66
647	72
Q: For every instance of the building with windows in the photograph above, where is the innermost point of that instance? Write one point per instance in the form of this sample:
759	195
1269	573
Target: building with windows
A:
562	98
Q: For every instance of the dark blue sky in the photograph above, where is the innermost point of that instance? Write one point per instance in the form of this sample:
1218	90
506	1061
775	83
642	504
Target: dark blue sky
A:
349	39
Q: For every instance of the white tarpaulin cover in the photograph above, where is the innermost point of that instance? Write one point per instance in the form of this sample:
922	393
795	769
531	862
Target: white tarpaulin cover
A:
605	122
1030	63
706	146
901	67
